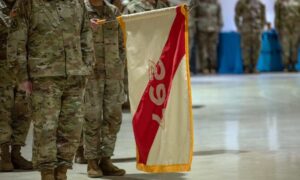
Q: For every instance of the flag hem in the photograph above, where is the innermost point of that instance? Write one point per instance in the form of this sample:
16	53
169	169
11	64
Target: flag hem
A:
185	13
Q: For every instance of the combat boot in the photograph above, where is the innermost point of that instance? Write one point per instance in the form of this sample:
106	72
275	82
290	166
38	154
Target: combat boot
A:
109	169
5	161
61	173
47	174
18	160
93	169
79	157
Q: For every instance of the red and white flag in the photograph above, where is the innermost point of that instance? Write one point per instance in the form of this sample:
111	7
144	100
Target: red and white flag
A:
159	88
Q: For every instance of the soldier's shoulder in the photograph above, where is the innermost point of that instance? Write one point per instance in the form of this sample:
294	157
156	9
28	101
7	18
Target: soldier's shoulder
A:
112	7
131	6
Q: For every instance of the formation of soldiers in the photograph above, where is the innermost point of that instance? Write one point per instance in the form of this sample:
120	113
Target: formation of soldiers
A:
250	19
62	67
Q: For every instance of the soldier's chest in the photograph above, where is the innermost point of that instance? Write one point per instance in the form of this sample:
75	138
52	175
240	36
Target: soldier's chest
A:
208	9
101	14
291	5
253	7
57	14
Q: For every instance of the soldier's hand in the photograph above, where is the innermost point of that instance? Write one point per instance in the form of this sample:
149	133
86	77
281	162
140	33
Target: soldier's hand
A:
96	22
26	86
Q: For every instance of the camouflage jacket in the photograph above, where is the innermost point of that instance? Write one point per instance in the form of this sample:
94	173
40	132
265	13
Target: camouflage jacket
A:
287	15
162	4
108	42
4	25
250	16
137	6
208	16
6	77
50	38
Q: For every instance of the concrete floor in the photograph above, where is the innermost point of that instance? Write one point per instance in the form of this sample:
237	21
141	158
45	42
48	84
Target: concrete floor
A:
246	128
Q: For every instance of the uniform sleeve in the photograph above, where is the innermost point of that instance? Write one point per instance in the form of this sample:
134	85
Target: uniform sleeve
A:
277	16
86	37
122	52
238	12
17	41
263	16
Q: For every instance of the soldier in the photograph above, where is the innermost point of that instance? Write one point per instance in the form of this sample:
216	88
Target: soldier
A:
105	90
13	127
250	20
288	25
137	6
192	34
50	46
209	23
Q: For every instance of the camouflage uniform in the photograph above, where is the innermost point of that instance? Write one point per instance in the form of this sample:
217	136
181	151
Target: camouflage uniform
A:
13	127
192	35
209	23
250	20
162	4
288	25
137	6
105	90
56	57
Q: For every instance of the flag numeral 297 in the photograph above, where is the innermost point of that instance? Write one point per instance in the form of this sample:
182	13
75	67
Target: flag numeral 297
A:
158	94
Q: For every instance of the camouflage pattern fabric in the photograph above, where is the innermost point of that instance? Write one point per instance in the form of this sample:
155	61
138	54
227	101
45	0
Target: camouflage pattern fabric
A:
251	43
137	6
59	41
208	17
14	126
250	16
208	42
56	56
288	26
162	4
250	20
57	116
5	76
14	105
103	116
105	90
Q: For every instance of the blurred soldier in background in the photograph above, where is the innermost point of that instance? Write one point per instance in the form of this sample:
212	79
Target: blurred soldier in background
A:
192	34
50	46
136	6
119	4
250	20
163	3
105	90
13	126
287	23
209	23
